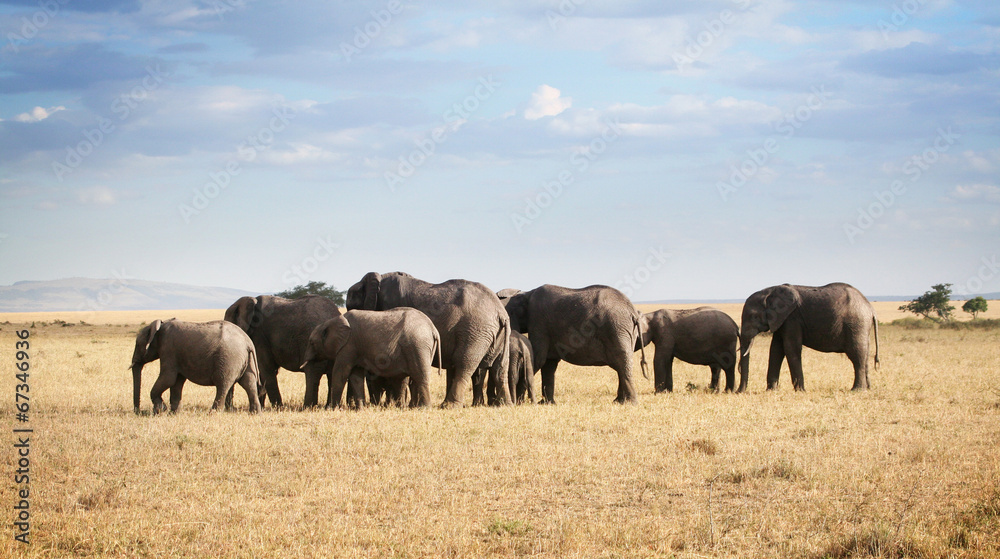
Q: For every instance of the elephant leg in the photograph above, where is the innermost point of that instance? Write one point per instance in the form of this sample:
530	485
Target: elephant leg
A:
478	378
626	386
714	385
730	370
463	368
269	378
793	353
859	359
250	386
663	370
549	381
229	398
774	359
355	389
314	374
338	378
163	382
175	393
527	382
500	379
220	395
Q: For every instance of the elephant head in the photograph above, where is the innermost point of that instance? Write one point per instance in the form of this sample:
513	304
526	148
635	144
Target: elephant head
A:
647	331
766	311
327	340
516	303
147	348
245	313
364	294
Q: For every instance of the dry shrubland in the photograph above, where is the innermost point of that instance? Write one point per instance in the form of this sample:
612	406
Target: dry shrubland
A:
910	468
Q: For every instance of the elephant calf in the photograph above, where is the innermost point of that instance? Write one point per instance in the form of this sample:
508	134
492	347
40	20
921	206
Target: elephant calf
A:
701	336
520	371
217	354
393	343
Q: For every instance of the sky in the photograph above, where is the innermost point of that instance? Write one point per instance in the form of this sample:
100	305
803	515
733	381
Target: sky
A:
675	150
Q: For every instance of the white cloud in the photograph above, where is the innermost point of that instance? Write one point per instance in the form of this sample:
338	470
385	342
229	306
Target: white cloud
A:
38	114
546	101
97	196
977	192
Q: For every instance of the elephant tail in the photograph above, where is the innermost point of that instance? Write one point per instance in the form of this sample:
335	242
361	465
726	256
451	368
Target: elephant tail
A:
437	344
875	326
642	349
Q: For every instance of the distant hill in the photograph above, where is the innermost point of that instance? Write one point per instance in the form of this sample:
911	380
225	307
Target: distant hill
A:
86	294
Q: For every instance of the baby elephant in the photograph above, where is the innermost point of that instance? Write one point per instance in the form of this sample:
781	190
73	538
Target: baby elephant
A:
520	371
393	343
217	354
701	336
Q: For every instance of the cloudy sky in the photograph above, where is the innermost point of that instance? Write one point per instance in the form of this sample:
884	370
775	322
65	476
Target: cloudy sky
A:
678	150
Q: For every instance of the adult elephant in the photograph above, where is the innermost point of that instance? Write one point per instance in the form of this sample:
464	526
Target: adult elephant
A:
280	330
396	343
591	326
474	327
210	354
700	336
834	318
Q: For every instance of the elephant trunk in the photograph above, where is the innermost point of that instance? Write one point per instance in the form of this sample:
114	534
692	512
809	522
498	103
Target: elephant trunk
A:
746	342
136	384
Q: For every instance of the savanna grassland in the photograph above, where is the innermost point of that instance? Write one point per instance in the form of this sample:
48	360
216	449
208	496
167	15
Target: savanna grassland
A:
910	468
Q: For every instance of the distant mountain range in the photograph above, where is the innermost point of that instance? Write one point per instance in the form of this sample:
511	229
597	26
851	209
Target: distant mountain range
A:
86	294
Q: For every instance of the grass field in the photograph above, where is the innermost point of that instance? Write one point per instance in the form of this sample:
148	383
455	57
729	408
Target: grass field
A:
909	469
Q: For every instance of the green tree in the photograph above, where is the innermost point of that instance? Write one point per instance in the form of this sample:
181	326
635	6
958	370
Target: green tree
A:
975	306
314	288
932	302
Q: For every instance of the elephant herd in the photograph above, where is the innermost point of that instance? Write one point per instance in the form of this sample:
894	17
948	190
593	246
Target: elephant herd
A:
398	329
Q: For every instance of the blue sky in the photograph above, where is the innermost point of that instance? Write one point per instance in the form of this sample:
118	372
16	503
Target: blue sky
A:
676	150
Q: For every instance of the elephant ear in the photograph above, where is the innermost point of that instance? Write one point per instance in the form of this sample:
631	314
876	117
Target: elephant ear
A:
241	312
517	310
336	333
153	329
779	304
372	282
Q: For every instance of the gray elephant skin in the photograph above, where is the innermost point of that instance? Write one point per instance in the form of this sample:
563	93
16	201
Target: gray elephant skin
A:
834	318
280	330
474	327
215	354
519	374
700	336
395	343
591	326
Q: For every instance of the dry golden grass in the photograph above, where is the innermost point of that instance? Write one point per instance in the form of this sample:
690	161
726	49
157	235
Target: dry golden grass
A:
908	469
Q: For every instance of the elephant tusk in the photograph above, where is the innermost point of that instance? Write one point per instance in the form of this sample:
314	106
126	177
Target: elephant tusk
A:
303	365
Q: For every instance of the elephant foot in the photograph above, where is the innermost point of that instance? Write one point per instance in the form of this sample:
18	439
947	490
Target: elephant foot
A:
546	402
451	405
626	401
